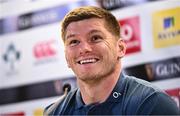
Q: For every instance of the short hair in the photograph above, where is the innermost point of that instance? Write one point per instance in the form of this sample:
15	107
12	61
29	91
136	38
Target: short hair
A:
88	12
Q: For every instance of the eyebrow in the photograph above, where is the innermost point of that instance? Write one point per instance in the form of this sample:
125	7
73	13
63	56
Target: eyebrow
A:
94	31
69	36
89	33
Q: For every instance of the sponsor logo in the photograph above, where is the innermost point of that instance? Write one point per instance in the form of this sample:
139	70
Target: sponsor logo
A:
168	22
45	51
110	4
159	70
1	25
38	112
36	91
166	28
169	68
39	18
115	4
11	57
130	32
175	95
116	94
13	114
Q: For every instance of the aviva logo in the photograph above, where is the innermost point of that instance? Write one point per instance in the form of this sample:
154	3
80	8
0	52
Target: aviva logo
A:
166	28
168	22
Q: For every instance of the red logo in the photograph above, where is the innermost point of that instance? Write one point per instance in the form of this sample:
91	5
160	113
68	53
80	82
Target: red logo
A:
130	32
175	95
13	114
44	49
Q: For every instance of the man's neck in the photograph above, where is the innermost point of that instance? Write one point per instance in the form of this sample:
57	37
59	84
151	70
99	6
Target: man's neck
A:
99	90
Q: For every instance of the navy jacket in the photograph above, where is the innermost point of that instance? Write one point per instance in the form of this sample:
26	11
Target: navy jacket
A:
130	96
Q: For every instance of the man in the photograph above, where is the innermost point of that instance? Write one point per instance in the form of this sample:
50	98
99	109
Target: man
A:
93	50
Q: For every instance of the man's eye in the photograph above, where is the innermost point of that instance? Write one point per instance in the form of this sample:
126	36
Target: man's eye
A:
96	38
73	42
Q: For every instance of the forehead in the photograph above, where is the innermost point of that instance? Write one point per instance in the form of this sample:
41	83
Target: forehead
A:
85	26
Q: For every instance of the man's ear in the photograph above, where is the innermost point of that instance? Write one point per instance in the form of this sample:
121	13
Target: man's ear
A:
121	48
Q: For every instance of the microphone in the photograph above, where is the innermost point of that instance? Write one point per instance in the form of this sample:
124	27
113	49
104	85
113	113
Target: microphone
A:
66	88
49	111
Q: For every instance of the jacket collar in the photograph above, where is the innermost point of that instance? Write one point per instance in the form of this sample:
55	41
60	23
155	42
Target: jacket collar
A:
115	95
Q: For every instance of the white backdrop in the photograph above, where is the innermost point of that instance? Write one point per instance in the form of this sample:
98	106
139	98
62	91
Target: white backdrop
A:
28	69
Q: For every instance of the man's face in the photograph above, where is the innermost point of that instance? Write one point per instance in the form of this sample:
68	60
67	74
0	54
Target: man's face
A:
91	50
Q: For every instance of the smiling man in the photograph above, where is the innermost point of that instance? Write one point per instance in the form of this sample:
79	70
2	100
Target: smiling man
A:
93	50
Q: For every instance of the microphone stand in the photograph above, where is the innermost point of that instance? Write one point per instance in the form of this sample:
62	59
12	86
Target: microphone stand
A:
51	108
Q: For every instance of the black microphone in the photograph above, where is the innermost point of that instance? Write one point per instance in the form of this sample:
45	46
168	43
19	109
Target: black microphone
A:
66	88
50	110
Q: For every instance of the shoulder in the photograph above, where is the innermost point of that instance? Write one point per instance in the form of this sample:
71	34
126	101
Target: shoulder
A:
139	86
158	104
58	106
145	98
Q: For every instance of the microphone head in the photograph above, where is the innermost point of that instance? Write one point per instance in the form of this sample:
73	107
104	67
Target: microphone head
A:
67	87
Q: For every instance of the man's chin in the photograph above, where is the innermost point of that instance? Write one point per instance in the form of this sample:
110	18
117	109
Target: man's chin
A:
89	77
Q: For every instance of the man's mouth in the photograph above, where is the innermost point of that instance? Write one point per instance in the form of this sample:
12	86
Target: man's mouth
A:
88	61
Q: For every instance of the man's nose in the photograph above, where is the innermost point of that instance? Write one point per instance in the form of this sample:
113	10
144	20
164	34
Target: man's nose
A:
85	47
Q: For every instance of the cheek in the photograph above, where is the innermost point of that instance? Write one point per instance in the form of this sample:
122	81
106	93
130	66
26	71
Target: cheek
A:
70	56
109	47
111	52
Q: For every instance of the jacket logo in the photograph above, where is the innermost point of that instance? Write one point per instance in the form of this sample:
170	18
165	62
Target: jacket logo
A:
116	94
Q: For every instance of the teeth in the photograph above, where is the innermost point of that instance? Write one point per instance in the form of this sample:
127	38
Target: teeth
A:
87	61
